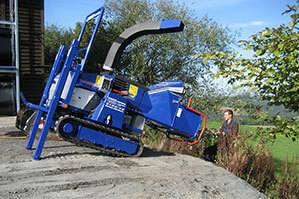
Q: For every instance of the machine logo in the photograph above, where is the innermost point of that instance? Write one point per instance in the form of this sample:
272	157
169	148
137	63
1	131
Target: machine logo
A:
115	104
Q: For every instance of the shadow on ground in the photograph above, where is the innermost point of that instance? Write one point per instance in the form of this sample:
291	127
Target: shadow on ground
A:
147	152
12	133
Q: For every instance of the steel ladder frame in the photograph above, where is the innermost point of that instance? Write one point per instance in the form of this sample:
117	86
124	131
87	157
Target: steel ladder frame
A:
50	107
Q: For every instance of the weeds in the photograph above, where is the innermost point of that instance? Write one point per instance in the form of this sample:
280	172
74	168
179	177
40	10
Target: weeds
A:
253	163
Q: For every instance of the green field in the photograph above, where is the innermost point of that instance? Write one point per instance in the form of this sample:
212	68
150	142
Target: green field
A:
217	124
281	148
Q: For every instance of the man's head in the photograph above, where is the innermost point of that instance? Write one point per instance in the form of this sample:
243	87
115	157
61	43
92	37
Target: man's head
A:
228	114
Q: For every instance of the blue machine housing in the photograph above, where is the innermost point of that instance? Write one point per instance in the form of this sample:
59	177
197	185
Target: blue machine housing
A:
111	105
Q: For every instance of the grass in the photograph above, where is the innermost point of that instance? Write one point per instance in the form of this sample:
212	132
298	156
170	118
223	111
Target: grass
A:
217	124
281	148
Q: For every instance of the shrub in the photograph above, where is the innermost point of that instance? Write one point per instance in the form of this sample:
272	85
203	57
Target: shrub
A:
159	141
253	164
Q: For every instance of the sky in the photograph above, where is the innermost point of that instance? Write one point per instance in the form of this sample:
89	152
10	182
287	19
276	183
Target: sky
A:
245	17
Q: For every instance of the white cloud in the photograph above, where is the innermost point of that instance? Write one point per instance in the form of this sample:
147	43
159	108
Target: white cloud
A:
257	23
217	3
247	24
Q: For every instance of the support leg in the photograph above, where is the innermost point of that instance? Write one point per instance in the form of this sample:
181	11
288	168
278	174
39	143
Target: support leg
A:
42	138
33	131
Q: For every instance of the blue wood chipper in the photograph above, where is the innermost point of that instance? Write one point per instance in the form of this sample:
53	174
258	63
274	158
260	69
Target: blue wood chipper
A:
107	111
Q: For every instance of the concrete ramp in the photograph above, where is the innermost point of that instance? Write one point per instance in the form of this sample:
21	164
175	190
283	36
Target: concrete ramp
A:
68	171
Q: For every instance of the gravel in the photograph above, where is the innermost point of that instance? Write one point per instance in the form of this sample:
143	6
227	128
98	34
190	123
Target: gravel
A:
7	123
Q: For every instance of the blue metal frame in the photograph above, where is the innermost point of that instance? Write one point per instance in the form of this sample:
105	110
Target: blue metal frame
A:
97	15
48	108
41	108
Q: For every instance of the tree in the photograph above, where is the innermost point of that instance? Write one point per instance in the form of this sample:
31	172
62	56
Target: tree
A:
273	71
151	59
54	37
156	58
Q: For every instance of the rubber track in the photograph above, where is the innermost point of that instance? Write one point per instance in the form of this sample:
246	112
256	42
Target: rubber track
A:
107	130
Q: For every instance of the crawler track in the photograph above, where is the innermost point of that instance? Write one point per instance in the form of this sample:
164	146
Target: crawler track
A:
105	129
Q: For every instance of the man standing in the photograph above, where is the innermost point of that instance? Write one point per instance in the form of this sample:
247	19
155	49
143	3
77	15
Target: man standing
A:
230	126
228	131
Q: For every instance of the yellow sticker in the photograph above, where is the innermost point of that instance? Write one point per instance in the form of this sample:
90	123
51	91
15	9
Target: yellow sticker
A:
99	80
133	90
